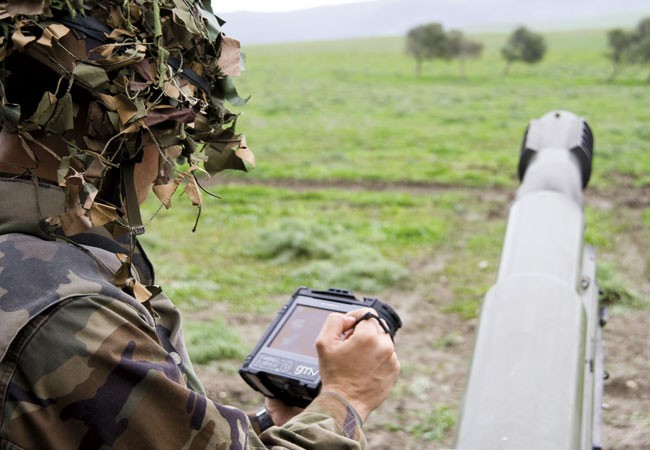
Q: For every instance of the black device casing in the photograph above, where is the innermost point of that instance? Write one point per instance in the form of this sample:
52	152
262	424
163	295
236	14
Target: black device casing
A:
292	377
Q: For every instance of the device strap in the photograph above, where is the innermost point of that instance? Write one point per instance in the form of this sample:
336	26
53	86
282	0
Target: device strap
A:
370	315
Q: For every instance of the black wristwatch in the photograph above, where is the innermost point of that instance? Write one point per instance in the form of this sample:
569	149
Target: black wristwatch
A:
264	419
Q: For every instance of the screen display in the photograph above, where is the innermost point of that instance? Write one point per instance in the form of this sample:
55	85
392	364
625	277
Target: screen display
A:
300	330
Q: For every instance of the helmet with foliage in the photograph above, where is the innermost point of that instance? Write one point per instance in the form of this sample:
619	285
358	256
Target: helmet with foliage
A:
126	73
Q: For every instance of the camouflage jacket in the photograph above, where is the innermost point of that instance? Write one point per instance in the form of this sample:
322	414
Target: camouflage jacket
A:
84	365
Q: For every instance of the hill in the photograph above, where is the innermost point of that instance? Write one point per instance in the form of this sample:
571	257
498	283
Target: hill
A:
395	17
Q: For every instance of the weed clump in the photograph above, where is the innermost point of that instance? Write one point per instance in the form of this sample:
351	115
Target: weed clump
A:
614	292
331	257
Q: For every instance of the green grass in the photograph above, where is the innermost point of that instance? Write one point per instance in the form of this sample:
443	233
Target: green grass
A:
615	293
260	242
433	425
332	256
213	341
355	110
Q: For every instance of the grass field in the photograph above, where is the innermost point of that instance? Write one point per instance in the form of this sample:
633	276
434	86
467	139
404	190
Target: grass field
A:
394	185
354	111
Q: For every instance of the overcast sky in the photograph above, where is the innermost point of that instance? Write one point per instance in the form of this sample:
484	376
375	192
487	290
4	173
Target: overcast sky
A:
221	6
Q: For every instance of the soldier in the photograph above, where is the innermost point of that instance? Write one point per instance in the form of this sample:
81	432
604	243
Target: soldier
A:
101	100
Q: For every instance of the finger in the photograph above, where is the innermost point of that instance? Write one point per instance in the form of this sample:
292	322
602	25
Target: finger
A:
348	323
372	317
335	324
395	362
371	334
357	313
352	319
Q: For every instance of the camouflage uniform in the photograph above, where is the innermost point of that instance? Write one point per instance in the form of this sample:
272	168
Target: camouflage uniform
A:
85	365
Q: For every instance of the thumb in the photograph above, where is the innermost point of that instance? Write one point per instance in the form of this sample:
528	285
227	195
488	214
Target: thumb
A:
336	327
348	322
335	324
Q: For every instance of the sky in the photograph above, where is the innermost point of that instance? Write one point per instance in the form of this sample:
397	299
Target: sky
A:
273	5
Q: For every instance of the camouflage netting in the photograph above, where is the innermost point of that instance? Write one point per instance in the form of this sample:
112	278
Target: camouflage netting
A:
150	71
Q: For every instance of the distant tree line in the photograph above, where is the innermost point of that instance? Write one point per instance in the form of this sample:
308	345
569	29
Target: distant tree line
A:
431	41
629	47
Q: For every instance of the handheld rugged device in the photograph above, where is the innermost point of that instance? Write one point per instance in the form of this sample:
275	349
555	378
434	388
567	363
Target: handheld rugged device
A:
284	362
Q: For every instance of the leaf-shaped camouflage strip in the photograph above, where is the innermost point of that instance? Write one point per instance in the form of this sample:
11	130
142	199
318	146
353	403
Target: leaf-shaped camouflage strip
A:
157	70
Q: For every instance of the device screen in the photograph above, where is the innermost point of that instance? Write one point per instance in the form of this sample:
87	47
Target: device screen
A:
300	330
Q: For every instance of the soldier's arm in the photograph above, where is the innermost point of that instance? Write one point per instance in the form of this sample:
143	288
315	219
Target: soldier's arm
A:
94	374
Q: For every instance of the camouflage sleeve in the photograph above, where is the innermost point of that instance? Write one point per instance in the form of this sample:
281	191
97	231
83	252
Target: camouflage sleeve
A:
95	375
328	422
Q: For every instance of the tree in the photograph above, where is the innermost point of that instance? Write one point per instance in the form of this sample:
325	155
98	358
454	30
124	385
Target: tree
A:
462	48
426	42
631	47
619	42
525	46
640	44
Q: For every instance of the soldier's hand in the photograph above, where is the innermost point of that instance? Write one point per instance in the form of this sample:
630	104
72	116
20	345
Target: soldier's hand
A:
359	362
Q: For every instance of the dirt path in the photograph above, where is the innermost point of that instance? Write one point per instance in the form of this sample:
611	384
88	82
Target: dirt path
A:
435	347
623	194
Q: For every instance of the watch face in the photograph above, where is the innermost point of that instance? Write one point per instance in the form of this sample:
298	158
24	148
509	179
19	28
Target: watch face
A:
264	419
